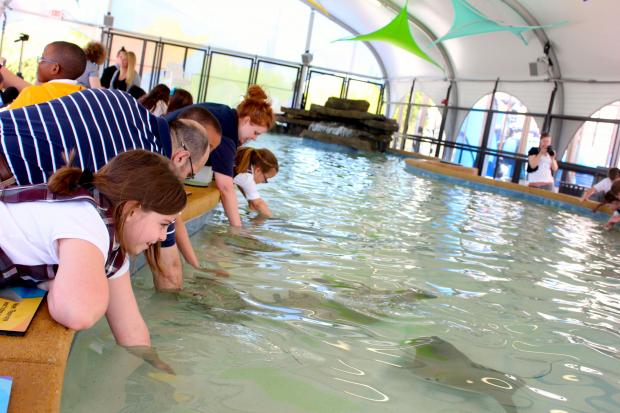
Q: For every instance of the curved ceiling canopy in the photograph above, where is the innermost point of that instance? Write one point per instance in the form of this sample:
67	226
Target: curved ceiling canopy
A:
488	40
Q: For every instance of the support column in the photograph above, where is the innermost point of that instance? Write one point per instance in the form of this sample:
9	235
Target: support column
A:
306	59
444	118
407	114
487	130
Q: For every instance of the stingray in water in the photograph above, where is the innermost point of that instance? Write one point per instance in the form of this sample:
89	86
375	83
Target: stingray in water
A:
436	360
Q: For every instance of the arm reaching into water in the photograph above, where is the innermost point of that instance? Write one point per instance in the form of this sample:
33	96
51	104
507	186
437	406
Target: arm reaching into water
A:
185	245
588	194
260	206
124	316
229	198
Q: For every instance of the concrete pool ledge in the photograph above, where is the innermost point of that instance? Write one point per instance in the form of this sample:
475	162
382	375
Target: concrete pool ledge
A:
469	177
37	361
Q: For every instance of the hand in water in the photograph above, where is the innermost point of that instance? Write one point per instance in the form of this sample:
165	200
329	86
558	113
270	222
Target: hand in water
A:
149	354
214	271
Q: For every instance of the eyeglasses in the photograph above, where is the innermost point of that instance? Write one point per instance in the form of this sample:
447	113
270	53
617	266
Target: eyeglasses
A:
42	59
191	165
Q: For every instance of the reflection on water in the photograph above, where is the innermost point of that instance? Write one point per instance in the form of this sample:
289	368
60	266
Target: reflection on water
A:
374	289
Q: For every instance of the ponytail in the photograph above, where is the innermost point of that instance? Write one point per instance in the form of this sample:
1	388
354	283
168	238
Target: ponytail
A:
140	176
262	158
257	106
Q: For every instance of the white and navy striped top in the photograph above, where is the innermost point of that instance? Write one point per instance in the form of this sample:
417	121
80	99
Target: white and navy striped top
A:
97	123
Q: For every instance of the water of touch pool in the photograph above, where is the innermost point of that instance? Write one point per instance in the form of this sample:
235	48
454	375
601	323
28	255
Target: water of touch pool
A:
373	288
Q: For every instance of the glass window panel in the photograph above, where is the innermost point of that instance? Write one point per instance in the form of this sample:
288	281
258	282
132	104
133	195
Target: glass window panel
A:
424	120
171	69
594	142
367	91
279	82
147	65
193	74
228	79
321	87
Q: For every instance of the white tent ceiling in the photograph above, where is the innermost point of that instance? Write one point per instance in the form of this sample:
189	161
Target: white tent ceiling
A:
586	46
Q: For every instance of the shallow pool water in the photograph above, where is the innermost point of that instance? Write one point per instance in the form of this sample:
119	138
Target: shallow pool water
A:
374	289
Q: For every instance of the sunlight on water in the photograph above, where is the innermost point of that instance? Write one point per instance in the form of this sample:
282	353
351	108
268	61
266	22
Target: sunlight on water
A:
374	289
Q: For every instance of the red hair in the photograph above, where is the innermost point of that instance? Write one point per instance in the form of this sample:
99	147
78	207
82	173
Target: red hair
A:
257	107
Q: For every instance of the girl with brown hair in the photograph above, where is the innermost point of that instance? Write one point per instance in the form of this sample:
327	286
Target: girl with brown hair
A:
255	166
74	235
156	101
180	98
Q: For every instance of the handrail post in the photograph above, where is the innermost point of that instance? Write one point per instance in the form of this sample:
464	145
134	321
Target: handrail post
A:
444	117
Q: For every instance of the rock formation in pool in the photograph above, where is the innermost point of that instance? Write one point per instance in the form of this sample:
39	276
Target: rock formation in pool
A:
341	121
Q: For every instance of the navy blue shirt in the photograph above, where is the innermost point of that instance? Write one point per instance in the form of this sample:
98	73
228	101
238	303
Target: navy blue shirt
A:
222	159
97	124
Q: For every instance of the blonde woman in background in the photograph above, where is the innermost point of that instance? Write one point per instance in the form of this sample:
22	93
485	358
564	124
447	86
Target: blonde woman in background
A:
126	76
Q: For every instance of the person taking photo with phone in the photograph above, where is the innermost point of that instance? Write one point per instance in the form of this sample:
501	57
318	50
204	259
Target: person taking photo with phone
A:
541	164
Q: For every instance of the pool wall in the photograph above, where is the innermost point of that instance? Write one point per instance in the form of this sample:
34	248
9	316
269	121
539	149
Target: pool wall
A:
456	174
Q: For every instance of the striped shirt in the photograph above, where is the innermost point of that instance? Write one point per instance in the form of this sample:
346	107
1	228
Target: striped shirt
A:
97	124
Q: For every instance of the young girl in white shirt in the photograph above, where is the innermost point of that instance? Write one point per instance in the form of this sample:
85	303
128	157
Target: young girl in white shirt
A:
254	166
74	235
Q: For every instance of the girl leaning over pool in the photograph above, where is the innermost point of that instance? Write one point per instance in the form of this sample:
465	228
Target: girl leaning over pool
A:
74	235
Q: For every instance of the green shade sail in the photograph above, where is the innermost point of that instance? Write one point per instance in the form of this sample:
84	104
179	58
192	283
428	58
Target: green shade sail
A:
469	21
398	33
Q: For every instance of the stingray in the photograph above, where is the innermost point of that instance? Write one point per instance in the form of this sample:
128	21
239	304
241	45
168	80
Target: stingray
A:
221	299
438	361
390	299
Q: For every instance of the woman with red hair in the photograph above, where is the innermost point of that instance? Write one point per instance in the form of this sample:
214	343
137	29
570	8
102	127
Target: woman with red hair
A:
252	117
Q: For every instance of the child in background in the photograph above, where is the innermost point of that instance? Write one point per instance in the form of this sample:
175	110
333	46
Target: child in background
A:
255	166
156	101
603	186
59	67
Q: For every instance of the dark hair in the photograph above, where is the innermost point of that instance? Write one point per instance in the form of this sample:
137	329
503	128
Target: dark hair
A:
179	99
159	92
70	57
191	134
9	94
206	119
137	175
136	91
94	52
257	107
545	135
121	50
248	156
613	173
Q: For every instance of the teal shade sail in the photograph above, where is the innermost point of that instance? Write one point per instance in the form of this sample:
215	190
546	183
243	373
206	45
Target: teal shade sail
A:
469	21
398	33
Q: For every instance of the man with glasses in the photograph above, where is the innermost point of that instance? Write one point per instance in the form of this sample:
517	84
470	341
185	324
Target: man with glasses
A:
58	68
98	124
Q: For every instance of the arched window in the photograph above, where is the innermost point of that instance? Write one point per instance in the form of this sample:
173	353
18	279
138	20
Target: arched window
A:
424	121
511	131
593	144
